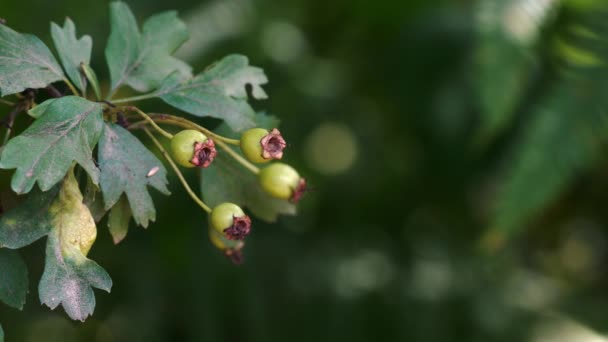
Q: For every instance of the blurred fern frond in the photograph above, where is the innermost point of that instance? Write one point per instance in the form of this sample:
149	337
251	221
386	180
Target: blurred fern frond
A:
566	128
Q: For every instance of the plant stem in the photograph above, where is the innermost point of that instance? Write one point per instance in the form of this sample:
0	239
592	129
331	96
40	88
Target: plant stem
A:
136	98
71	86
10	120
7	102
172	119
145	116
219	140
178	172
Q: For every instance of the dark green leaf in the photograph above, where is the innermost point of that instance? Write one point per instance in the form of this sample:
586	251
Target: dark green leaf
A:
143	60
228	181
29	221
72	51
218	92
93	199
25	63
560	142
14	282
68	275
67	131
127	166
505	62
118	220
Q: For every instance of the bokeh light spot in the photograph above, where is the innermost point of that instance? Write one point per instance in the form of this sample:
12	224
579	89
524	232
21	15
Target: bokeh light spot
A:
331	148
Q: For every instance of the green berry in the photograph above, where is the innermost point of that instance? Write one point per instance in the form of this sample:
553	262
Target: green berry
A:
229	220
192	148
260	145
282	181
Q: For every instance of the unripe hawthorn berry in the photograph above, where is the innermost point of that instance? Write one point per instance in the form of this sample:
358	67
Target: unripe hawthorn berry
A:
282	181
260	145
230	220
192	148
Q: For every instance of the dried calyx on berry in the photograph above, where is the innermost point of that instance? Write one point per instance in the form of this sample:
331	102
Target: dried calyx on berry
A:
282	181
229	220
233	250
260	145
192	148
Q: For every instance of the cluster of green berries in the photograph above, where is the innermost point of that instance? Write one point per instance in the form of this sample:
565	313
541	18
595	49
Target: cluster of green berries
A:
228	224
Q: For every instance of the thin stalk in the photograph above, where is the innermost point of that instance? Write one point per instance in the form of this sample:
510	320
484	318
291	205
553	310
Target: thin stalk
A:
184	123
71	86
10	120
149	119
178	172
172	119
136	98
7	102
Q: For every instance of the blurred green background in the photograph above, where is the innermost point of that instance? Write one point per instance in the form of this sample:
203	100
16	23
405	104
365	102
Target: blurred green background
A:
456	153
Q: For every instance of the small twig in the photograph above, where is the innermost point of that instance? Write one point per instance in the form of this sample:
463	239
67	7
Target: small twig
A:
10	120
7	102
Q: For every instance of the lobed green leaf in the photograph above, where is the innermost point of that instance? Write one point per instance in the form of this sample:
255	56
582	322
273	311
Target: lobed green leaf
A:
218	92
143	60
72	51
67	131
25	62
118	220
127	166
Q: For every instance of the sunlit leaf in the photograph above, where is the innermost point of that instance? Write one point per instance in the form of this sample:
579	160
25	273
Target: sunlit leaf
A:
69	277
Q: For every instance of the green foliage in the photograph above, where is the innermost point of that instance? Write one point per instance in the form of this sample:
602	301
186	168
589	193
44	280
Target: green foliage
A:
125	163
56	150
14	283
143	60
565	125
29	221
118	219
218	92
66	132
26	63
72	51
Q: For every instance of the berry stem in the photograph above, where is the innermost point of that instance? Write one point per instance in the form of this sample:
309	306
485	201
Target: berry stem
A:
7	102
71	86
149	120
136	98
185	123
194	197
219	140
